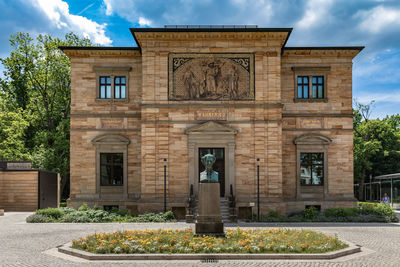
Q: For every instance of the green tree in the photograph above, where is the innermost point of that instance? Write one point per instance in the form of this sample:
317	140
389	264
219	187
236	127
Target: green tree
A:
376	145
12	131
37	82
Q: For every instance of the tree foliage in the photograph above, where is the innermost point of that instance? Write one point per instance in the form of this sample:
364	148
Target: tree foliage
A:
376	145
36	86
12	131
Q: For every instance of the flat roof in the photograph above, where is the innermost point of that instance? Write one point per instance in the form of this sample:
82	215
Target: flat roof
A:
388	176
212	29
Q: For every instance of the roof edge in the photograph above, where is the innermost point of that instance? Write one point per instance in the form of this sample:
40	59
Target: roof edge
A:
324	48
62	48
211	29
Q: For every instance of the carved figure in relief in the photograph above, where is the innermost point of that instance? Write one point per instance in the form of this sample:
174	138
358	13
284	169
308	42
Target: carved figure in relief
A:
210	78
212	75
208	175
233	81
190	84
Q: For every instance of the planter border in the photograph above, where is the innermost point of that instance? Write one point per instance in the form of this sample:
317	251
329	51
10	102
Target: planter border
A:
66	249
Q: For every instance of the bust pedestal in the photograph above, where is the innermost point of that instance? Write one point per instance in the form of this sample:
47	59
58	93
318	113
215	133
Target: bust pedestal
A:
209	220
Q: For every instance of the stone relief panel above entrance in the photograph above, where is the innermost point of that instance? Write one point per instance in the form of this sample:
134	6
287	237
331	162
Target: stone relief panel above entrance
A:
217	76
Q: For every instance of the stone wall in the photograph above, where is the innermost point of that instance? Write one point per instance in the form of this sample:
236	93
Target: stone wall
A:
91	118
331	118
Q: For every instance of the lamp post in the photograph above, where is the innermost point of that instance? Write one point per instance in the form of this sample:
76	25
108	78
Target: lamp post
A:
165	185
258	189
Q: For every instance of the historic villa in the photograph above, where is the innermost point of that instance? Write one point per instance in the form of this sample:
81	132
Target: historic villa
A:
239	93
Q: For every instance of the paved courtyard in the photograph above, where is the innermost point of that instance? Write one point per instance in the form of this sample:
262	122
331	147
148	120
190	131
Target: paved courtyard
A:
23	244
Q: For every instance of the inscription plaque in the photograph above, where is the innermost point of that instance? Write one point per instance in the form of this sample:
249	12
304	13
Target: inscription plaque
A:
215	115
310	123
198	76
112	123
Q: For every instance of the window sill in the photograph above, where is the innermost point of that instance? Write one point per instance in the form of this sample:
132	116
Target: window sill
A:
310	100
109	100
312	185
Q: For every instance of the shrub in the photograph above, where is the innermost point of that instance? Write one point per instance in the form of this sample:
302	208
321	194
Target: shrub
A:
85	215
340	212
84	207
169	215
67	210
378	209
310	213
54	213
76	217
121	212
366	208
273	214
38	218
100	215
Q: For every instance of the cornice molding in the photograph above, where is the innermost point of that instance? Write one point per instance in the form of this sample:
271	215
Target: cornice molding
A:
99	52
350	53
142	37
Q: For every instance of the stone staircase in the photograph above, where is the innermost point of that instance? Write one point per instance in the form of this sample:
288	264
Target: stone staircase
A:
225	212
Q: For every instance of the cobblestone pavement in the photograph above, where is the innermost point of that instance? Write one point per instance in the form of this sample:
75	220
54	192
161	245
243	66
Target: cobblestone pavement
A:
23	244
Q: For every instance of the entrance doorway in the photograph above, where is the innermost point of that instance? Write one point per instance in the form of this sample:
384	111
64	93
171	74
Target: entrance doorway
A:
219	165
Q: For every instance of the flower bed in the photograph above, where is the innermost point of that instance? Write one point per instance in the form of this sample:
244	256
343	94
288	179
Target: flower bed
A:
184	241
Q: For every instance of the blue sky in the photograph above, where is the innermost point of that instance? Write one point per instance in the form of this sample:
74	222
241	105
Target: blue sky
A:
372	23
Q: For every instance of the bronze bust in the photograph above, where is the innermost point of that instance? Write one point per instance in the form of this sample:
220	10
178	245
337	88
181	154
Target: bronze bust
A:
208	175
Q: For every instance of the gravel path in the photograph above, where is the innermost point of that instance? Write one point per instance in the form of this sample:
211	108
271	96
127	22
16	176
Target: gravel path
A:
23	244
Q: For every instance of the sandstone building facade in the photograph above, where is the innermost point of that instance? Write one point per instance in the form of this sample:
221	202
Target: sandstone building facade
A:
138	113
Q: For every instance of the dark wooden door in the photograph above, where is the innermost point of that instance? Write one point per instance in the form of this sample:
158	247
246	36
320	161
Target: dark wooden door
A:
219	165
48	191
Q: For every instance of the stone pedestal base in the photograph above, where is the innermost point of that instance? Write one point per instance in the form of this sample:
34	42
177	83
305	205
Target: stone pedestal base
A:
189	218
209	220
211	228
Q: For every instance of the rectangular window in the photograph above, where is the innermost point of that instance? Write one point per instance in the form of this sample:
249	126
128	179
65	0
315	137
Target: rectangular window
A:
111	169
119	87
311	168
318	87
302	87
105	87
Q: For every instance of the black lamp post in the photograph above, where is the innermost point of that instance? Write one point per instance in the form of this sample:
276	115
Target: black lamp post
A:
258	189
165	185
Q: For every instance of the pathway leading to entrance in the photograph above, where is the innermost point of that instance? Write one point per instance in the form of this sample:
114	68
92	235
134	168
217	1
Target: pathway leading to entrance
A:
23	244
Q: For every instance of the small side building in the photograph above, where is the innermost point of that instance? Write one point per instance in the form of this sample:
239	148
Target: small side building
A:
25	189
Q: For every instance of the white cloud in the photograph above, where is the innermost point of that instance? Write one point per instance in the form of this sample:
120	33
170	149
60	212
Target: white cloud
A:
144	22
379	17
109	7
386	97
316	14
57	11
128	10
